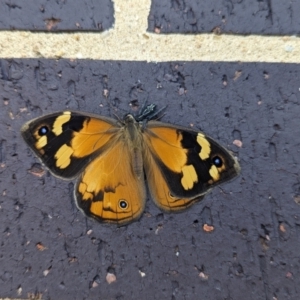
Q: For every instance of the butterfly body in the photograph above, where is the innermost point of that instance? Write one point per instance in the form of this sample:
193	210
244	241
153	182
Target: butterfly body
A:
109	159
132	139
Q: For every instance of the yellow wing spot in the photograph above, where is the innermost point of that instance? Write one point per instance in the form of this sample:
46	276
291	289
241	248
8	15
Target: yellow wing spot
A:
205	146
41	142
63	156
214	173
82	188
60	121
189	177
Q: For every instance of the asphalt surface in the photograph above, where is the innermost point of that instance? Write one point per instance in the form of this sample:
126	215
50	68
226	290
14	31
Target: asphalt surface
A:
240	242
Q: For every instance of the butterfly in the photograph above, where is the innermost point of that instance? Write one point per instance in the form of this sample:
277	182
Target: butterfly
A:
110	159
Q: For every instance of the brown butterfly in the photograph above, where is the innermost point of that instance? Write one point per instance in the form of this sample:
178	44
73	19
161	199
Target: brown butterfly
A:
109	157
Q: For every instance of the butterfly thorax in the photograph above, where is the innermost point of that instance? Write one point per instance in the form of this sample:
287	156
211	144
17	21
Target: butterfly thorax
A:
133	140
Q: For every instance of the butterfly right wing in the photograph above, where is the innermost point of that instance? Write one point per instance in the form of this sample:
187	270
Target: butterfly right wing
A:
182	165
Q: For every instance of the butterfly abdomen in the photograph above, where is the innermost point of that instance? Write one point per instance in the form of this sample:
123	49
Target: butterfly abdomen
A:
137	162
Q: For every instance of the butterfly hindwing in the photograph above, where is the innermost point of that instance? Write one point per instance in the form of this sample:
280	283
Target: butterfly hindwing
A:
160	190
187	163
109	189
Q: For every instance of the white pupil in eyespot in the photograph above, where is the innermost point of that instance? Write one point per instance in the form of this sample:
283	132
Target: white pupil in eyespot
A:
43	130
123	204
217	161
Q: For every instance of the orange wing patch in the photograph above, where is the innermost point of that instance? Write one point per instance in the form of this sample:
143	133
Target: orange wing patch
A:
93	136
109	189
165	141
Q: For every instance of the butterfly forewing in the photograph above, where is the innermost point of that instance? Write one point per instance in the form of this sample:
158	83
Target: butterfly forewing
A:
66	142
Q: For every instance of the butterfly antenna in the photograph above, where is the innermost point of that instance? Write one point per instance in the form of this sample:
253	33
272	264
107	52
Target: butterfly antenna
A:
158	115
144	106
154	115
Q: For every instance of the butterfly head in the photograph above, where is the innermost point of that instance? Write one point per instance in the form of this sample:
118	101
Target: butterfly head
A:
129	119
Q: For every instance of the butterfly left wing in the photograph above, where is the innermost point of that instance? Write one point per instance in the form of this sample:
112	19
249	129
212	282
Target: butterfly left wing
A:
73	143
182	165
